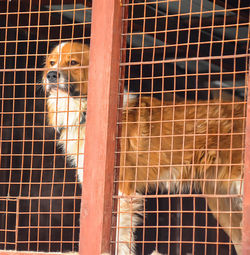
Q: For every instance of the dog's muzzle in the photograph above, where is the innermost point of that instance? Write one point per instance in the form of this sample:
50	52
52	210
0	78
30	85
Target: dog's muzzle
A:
56	80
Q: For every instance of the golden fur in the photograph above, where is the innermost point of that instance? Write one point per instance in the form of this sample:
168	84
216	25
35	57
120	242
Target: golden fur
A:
174	146
187	146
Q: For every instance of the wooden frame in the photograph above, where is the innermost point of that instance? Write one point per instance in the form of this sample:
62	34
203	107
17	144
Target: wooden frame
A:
101	127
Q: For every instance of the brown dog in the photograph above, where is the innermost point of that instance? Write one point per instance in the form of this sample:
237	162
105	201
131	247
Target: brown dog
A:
176	147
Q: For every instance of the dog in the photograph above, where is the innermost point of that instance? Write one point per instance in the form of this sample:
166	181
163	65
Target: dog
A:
65	80
168	145
185	147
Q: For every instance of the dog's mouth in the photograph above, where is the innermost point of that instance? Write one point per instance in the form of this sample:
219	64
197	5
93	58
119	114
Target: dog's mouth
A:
61	83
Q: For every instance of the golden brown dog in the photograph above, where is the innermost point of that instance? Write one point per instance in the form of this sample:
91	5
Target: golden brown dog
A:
172	146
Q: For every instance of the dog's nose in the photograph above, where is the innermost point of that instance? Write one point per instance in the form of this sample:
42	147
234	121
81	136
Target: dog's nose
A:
53	76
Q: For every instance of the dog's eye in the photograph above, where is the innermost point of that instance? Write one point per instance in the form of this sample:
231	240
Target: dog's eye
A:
73	62
52	63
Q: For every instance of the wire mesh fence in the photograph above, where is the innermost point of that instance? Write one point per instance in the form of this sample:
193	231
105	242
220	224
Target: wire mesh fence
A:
181	127
40	193
182	144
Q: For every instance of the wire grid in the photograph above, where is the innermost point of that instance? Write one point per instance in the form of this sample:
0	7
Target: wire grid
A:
39	194
181	132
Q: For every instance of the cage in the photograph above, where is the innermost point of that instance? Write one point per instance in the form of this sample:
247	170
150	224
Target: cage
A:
183	64
40	194
166	147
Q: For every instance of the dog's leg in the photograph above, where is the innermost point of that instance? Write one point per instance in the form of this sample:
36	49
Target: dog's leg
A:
127	219
227	210
229	219
221	181
156	253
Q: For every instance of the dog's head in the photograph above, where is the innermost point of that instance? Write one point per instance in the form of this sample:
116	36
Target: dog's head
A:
66	69
65	81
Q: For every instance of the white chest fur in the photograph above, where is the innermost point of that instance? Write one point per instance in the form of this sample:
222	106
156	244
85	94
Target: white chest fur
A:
65	114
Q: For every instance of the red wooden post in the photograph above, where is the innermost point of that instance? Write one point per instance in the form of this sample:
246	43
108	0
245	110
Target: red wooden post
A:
246	201
101	127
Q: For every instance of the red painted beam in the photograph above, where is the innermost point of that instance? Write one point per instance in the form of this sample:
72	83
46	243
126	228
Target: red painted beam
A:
101	127
3	252
246	201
